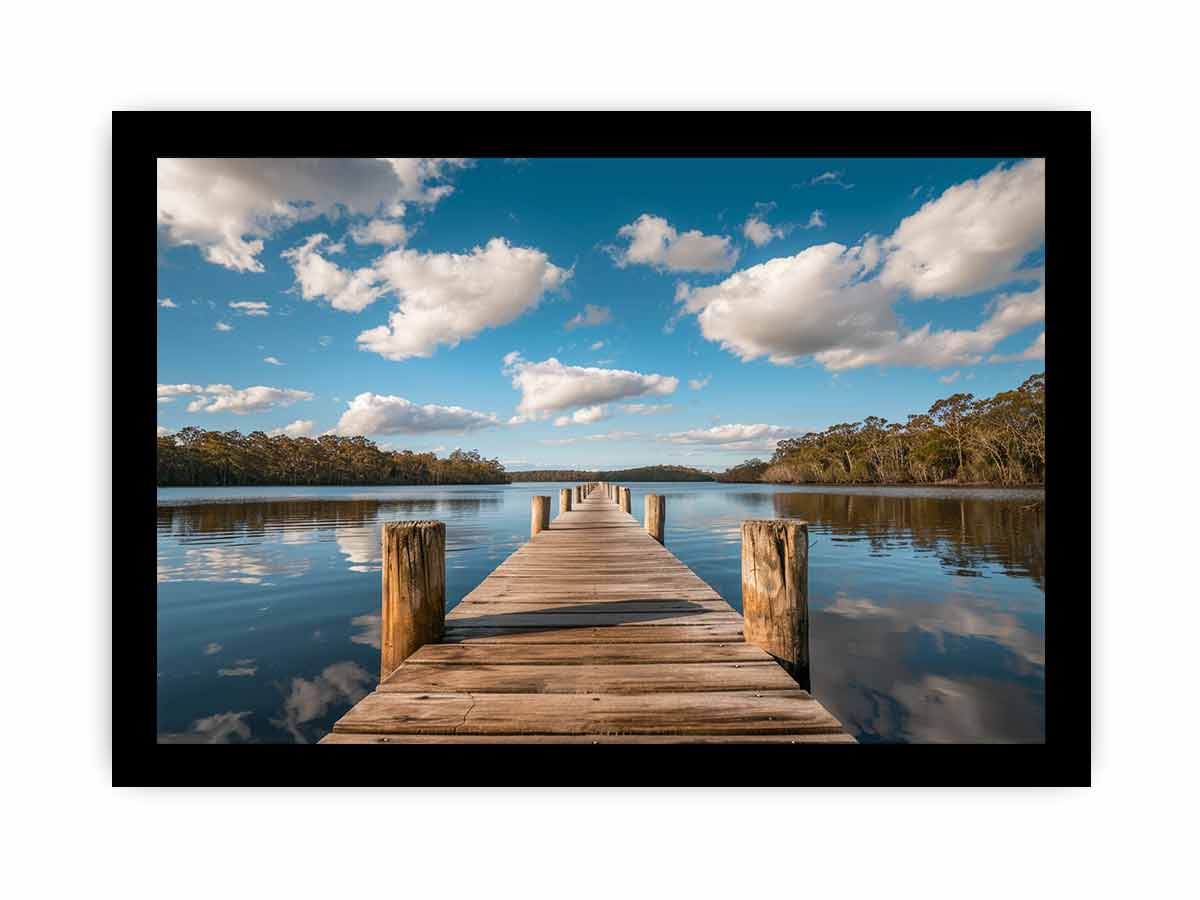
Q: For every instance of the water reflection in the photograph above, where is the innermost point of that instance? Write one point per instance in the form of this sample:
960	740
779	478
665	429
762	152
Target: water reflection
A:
223	728
927	606
957	670
345	683
250	517
965	533
243	565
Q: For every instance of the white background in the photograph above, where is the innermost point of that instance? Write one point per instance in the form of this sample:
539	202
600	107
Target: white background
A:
64	68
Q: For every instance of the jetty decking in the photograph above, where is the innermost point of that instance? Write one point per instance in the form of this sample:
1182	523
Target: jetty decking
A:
592	632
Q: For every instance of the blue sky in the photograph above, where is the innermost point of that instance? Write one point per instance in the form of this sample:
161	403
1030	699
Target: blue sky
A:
592	313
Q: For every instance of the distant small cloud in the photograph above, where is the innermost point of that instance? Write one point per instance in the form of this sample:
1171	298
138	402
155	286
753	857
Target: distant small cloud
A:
597	345
168	303
251	307
324	340
646	409
212	648
1036	350
699	384
831	178
951	378
591	315
273	361
238	672
757	230
653	241
299	428
816	220
585	416
224	326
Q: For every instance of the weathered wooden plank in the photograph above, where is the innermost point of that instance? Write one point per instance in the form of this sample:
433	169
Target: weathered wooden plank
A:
633	678
588	654
725	712
338	738
495	607
585	619
616	634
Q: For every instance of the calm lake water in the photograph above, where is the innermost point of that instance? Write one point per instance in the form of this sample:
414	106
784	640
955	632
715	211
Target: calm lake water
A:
928	605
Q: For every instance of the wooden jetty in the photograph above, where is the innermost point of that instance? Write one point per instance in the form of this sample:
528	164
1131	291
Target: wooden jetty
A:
593	632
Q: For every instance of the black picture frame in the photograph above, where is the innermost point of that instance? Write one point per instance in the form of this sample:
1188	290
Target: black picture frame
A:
1063	138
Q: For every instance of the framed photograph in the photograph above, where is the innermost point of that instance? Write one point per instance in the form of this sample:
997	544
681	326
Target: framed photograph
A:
622	448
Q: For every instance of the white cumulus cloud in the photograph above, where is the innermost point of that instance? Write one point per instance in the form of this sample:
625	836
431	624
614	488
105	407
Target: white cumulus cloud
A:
350	290
387	232
837	303
585	416
251	307
226	398
971	238
591	315
273	361
654	242
792	306
940	349
449	297
223	326
1036	350
299	428
758	231
227	207
549	386
167	303
370	413
732	437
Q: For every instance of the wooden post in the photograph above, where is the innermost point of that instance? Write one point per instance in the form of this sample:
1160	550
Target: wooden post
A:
564	501
775	592
539	519
414	590
626	499
656	516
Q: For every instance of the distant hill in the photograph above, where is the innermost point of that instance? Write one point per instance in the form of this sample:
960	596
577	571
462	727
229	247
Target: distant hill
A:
642	473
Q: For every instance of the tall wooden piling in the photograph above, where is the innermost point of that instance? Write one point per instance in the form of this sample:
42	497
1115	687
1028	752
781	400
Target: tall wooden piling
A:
775	592
539	519
626	499
656	516
564	501
414	590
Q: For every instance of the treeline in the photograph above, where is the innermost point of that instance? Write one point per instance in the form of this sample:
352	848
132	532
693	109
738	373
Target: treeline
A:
994	440
642	473
195	457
